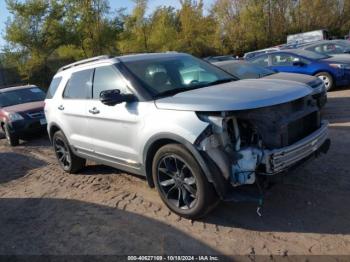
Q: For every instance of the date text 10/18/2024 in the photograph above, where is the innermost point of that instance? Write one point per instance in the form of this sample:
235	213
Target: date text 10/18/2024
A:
173	258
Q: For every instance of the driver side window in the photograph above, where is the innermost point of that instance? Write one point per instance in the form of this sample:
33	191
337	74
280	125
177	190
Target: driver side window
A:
108	78
286	60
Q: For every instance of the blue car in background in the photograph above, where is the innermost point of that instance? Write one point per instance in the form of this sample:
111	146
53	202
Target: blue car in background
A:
332	70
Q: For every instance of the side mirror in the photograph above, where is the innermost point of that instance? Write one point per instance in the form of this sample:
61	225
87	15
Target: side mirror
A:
298	63
114	97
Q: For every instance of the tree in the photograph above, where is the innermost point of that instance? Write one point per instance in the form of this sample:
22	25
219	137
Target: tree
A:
135	37
34	32
90	27
164	33
196	31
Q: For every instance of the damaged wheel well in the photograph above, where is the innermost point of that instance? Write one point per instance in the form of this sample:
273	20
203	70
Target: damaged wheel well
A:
152	150
206	164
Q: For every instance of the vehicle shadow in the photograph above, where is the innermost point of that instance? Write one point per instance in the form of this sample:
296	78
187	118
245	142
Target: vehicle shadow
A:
94	169
8	159
314	198
38	140
69	227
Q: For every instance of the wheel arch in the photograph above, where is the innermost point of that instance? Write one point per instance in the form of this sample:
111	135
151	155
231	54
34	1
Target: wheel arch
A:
53	129
324	71
159	140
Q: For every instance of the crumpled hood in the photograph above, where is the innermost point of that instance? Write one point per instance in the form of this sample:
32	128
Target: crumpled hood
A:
338	58
238	95
25	107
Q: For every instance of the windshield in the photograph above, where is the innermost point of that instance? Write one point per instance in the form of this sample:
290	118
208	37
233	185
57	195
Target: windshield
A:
163	76
21	96
310	54
246	70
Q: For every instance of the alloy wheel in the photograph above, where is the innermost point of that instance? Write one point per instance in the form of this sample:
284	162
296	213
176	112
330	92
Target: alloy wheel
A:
326	81
62	153
177	182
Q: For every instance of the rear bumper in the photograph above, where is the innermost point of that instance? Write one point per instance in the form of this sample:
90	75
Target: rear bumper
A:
279	160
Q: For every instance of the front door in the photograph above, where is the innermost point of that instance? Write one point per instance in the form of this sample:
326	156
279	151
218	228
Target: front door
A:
113	128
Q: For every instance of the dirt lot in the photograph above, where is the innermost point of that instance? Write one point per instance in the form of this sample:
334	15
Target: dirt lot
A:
103	211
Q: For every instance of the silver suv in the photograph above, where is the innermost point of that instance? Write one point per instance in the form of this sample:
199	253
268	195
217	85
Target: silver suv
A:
194	131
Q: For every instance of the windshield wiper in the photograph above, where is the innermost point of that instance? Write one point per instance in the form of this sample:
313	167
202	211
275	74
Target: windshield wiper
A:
220	81
172	92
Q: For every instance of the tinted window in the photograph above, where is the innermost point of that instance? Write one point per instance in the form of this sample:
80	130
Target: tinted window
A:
79	85
262	60
107	78
283	60
328	49
21	96
53	87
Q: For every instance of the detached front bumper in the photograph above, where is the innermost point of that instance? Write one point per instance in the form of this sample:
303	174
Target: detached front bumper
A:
279	160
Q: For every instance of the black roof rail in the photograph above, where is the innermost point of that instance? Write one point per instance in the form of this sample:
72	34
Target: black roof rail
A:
85	61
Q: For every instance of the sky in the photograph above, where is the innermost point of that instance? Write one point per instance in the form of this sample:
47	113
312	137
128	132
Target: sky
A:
115	4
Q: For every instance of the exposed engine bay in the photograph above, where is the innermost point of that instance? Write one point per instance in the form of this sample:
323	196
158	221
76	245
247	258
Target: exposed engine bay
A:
263	141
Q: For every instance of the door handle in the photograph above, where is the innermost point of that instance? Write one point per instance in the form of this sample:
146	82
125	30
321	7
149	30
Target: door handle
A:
94	111
61	107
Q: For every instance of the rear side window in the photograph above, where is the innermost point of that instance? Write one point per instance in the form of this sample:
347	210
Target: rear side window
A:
53	87
79	85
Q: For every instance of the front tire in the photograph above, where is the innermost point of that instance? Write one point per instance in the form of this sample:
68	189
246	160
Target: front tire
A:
327	80
69	162
181	183
12	139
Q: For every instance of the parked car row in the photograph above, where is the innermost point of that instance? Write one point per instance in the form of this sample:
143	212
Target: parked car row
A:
245	70
333	70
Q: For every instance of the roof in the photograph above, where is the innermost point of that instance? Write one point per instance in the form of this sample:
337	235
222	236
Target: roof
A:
13	88
147	56
123	58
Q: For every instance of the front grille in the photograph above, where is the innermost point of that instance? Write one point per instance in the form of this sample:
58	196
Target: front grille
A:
38	114
303	127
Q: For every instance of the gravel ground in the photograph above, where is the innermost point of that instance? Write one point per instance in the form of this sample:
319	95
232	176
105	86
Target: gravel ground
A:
104	211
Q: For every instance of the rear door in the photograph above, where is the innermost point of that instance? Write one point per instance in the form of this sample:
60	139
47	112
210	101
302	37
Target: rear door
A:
113	128
72	109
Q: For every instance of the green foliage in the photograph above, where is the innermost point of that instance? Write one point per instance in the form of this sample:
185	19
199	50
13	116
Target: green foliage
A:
42	35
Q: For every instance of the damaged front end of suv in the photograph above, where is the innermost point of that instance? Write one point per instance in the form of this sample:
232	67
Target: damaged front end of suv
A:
261	142
254	129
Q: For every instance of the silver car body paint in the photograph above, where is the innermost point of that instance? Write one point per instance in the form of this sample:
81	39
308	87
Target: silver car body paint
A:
239	95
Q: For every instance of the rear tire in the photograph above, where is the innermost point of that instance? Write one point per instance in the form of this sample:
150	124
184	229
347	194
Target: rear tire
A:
12	139
68	161
181	183
327	80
